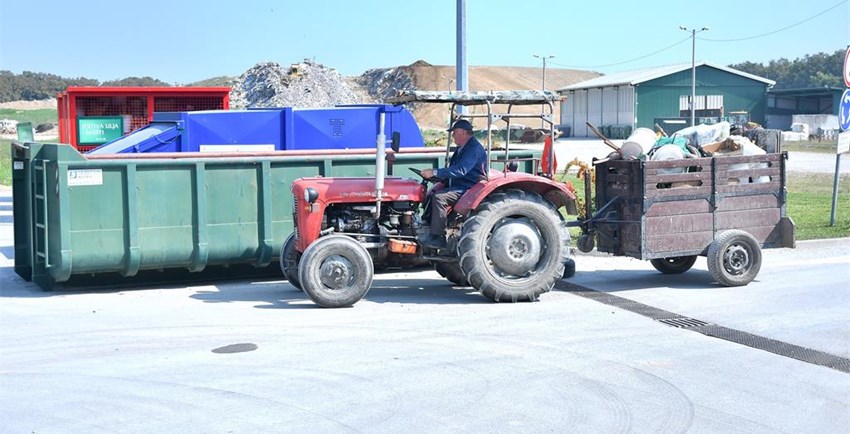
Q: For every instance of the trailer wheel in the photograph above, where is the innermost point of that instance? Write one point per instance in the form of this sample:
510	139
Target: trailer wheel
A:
585	243
289	259
451	271
569	268
514	246
734	258
335	271
674	265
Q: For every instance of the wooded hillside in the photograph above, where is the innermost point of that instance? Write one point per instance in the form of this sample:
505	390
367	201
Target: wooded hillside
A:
813	70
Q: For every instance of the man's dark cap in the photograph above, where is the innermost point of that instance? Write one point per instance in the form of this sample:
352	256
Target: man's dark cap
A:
462	124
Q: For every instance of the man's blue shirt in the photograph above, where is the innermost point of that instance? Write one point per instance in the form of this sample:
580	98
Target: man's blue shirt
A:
466	167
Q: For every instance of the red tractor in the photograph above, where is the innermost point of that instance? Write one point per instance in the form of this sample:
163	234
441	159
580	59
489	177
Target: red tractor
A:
505	236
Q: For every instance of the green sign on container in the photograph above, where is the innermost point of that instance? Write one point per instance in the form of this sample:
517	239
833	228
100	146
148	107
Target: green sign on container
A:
96	130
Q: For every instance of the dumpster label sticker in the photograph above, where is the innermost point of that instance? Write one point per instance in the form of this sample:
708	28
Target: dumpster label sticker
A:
18	165
85	177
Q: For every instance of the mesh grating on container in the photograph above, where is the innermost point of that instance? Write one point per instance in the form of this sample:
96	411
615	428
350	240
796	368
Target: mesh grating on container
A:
187	104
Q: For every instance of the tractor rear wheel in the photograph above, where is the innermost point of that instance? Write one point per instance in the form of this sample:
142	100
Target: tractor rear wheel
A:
335	271
289	258
514	246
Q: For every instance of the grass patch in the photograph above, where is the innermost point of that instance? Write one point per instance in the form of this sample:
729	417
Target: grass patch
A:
810	204
40	116
822	147
36	117
5	162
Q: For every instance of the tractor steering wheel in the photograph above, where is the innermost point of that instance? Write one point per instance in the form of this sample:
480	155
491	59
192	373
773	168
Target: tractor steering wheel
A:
433	179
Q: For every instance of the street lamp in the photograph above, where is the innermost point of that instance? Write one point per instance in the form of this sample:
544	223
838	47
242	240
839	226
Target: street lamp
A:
544	58
692	103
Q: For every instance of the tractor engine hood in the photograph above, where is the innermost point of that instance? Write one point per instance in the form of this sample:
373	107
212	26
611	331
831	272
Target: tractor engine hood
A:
354	190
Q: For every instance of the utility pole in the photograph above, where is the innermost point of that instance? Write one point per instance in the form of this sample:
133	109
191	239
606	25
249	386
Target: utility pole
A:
692	103
450	81
544	58
462	71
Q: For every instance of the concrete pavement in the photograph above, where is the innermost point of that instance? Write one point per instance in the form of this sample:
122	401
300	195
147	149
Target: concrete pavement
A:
418	355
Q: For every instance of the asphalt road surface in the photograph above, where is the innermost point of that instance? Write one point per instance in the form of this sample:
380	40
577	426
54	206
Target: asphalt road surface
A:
418	355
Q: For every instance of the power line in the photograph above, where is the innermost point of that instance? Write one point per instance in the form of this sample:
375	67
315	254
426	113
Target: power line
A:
705	39
626	61
778	30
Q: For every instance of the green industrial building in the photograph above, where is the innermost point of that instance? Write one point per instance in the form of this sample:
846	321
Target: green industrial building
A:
641	98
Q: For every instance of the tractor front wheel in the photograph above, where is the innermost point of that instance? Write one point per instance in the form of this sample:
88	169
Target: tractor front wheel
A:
335	271
289	259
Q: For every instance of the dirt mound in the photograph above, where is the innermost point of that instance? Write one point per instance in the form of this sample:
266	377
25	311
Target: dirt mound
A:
29	105
421	75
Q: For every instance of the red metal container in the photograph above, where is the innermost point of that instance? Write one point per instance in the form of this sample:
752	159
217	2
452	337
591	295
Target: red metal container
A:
134	106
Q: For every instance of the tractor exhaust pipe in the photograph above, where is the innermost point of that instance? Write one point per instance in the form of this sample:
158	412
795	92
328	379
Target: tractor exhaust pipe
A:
380	159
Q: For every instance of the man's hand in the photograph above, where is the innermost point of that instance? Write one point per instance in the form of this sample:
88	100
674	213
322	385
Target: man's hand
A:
428	173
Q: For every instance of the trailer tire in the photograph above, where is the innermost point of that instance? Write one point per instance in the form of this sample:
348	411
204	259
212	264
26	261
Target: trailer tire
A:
451	271
585	243
674	265
335	271
289	259
734	258
514	246
569	268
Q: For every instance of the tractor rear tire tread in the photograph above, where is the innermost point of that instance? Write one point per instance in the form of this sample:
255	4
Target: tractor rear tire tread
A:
555	238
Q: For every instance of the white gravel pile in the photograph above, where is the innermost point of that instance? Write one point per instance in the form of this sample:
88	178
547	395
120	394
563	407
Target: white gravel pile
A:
304	84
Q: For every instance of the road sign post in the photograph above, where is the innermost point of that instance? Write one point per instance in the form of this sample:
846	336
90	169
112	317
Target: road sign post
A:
843	146
847	68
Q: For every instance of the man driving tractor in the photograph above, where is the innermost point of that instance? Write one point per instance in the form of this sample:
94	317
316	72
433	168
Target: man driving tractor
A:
466	167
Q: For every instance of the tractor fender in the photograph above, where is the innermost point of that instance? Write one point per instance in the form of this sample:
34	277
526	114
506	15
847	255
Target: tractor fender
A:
555	192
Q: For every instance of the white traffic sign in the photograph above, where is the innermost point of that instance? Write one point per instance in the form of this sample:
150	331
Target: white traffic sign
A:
844	110
843	143
847	68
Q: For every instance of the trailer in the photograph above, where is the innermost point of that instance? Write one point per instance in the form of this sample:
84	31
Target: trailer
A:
726	208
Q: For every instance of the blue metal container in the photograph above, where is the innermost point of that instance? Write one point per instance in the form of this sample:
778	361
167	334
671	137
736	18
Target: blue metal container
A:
268	129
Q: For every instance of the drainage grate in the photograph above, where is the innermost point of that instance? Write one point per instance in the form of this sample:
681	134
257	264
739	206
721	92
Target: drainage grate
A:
774	346
683	322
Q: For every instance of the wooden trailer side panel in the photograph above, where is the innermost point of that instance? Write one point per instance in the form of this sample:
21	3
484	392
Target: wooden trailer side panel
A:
659	209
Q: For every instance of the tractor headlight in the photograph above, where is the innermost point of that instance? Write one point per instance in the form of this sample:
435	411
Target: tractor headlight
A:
310	195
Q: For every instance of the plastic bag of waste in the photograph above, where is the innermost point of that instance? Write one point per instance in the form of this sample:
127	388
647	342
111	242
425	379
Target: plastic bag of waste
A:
703	134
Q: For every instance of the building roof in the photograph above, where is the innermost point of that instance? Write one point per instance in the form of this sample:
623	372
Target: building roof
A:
631	78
